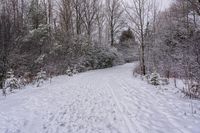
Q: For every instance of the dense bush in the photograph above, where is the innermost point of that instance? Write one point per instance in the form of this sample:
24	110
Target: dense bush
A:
33	48
97	57
40	78
192	90
127	35
79	55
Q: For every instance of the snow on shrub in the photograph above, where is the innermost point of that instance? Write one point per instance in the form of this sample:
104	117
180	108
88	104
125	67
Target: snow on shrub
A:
11	82
71	71
195	90
192	90
154	79
74	70
98	57
41	77
164	81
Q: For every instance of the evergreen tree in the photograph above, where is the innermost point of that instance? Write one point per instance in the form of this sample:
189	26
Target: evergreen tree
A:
154	79
11	81
37	14
127	35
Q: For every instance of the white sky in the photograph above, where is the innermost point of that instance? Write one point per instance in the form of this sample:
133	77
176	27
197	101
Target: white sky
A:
165	3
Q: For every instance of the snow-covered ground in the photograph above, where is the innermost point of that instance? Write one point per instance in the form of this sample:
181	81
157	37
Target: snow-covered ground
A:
102	101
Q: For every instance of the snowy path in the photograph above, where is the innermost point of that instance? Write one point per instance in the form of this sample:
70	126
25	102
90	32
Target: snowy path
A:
102	101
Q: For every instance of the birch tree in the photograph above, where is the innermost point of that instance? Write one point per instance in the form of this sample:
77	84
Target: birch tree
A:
90	10
66	17
138	14
100	20
77	5
114	17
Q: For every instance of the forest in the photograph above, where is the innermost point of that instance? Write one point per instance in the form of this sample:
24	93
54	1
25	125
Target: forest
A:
72	36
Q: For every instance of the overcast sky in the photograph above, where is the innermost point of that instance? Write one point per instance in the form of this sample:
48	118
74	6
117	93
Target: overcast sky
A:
165	3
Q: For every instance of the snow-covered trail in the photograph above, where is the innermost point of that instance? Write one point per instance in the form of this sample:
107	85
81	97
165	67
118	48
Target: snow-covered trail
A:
101	101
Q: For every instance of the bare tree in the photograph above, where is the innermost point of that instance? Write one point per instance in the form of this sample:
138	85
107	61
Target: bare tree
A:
78	8
114	15
90	10
150	36
138	13
100	22
195	4
6	39
22	12
37	14
66	16
50	12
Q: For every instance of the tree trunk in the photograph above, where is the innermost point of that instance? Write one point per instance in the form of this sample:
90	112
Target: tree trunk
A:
143	67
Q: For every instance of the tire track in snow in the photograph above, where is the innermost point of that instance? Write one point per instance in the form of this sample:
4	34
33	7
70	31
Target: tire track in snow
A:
124	87
100	101
93	105
121	110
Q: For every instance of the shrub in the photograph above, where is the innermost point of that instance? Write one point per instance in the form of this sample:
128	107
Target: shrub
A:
193	90
69	72
41	77
97	57
127	35
154	79
164	81
11	82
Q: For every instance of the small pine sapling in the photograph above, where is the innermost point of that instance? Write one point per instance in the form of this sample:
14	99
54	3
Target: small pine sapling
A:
75	71
154	79
11	81
41	77
69	72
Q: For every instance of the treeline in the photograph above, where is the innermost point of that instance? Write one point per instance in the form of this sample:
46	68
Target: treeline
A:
173	44
55	36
